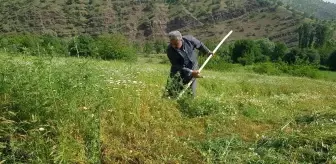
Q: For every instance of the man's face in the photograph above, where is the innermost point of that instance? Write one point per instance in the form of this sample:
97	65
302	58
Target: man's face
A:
176	43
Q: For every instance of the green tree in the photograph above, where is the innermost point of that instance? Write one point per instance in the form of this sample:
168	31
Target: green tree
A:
311	56
302	56
323	33
266	48
279	52
332	61
306	35
245	52
293	56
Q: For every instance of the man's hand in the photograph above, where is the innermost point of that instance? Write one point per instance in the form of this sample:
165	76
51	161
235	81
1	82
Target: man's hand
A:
196	74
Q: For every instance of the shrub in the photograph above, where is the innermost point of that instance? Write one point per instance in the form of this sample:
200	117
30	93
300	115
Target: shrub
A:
27	43
148	47
160	46
53	45
81	46
114	47
301	70
266	68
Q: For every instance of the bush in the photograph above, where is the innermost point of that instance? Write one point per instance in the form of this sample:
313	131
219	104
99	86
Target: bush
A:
81	46
33	44
114	47
301	70
266	68
53	45
27	44
160	46
282	68
148	47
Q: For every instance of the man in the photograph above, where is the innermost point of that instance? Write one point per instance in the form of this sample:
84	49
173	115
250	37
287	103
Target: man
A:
184	65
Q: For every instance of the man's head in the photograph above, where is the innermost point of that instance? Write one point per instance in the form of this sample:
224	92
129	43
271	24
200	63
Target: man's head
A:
175	39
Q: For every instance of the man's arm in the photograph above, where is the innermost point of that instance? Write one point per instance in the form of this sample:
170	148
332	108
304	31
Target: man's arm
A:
199	45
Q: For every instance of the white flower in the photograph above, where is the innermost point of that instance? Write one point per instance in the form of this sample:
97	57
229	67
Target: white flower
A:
41	129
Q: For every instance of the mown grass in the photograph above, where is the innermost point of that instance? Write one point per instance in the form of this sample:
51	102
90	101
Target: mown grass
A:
69	110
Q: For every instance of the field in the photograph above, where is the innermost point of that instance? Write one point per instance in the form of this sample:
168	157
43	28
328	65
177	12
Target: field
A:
70	110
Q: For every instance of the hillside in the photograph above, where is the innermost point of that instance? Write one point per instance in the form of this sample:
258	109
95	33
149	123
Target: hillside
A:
141	19
69	110
316	8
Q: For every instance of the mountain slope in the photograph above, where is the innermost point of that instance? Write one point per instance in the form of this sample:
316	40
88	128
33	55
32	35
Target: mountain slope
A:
139	20
316	8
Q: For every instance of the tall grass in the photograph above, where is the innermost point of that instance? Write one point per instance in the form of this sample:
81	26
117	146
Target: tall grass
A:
68	110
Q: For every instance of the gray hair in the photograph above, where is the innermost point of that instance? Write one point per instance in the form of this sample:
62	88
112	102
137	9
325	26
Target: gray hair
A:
175	35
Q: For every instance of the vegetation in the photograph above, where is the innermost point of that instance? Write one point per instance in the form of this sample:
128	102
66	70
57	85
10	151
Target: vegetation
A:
316	8
108	47
75	90
70	110
142	20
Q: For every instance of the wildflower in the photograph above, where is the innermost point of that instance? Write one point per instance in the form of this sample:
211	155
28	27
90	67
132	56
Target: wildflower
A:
41	129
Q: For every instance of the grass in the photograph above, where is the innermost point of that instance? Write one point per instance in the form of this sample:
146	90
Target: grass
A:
69	110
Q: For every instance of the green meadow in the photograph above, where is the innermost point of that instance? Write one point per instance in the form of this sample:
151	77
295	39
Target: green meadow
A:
81	110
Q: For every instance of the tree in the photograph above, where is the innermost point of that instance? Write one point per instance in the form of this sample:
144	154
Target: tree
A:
306	35
266	48
323	33
292	56
245	52
311	56
279	52
302	56
332	61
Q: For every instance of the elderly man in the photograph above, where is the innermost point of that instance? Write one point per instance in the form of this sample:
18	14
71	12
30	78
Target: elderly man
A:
184	65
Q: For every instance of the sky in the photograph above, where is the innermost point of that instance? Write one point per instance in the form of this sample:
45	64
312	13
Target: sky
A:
333	1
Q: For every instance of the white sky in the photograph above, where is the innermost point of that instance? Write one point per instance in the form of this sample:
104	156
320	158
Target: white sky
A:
333	1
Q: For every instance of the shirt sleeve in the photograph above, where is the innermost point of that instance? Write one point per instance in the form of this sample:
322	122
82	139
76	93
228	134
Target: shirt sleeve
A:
199	45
